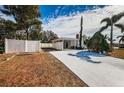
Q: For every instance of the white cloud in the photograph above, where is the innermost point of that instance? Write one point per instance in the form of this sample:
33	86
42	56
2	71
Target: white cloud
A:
68	26
6	17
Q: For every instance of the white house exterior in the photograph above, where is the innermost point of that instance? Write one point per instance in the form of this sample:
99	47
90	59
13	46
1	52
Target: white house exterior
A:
65	43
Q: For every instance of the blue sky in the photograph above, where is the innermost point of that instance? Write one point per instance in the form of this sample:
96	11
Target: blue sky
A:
65	20
53	11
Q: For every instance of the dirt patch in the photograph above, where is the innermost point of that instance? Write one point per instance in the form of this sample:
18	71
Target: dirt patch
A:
38	69
4	57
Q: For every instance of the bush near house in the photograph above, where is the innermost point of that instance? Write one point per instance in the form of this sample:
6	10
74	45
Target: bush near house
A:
98	43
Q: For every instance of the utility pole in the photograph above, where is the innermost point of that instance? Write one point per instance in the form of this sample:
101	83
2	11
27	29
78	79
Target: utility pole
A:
111	36
81	29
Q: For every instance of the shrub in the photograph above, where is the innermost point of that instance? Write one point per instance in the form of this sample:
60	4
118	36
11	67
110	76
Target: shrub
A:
98	43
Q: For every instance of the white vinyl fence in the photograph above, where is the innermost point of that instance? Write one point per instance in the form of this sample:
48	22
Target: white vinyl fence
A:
15	46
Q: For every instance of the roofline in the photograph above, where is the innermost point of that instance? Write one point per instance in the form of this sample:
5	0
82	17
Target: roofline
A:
65	38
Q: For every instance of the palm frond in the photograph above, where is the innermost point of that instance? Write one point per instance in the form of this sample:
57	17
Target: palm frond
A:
107	20
108	23
119	36
121	39
121	26
106	36
103	28
115	18
120	15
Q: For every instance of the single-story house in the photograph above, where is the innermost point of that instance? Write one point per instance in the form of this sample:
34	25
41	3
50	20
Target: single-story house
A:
65	43
117	45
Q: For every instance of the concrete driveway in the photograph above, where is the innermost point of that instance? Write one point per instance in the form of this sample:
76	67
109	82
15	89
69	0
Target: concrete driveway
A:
110	72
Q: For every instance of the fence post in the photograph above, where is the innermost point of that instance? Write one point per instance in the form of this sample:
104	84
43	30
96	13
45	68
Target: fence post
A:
38	46
6	46
25	45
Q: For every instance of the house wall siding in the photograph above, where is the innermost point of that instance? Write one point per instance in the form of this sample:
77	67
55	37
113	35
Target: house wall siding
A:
58	45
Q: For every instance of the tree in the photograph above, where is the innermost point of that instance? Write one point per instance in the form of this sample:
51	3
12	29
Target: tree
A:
98	43
86	40
110	22
35	35
25	16
20	36
7	29
48	36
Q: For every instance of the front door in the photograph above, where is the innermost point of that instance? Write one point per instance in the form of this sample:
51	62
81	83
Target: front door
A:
66	44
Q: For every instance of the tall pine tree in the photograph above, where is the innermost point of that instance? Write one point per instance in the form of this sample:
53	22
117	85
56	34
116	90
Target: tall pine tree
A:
25	16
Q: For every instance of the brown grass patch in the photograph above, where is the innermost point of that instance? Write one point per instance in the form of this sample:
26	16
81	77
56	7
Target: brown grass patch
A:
37	70
4	57
118	53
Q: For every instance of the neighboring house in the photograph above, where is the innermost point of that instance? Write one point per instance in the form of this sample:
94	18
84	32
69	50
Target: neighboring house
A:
65	43
121	44
117	45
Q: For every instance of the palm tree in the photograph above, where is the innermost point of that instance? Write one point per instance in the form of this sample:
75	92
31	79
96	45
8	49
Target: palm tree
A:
111	22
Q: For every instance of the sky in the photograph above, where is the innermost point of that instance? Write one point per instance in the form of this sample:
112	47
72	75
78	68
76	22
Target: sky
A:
62	19
65	20
54	11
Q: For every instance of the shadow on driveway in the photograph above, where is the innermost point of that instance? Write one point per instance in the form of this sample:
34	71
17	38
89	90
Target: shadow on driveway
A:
85	55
